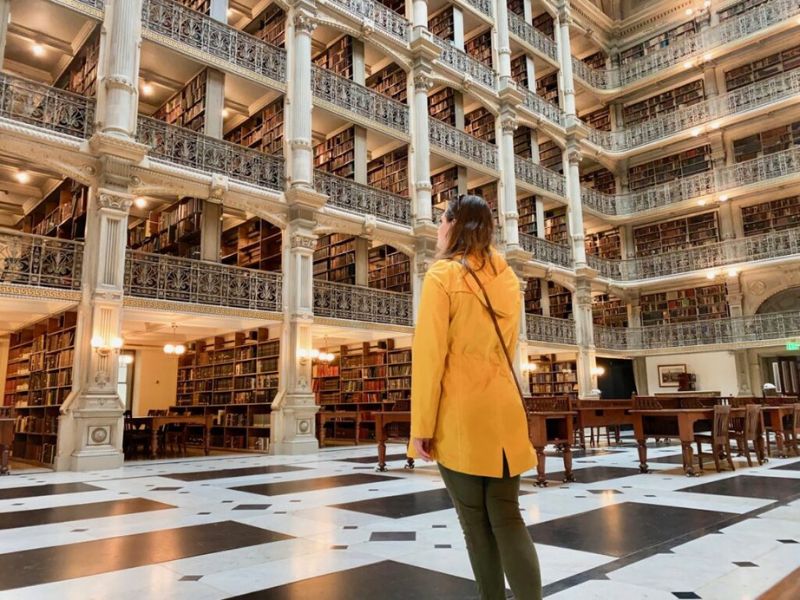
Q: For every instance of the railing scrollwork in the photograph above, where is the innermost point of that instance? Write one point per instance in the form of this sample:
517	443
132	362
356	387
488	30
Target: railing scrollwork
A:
358	303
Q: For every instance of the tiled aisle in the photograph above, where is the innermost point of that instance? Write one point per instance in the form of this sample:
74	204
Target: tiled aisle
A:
328	527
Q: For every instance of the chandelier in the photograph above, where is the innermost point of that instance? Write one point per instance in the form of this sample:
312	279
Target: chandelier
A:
177	348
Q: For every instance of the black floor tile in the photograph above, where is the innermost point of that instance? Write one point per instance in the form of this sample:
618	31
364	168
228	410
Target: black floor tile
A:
57	563
31	491
393	536
686	595
387	580
365	460
594	474
225	473
621	529
77	512
311	485
675	459
404	505
795	466
252	507
749	486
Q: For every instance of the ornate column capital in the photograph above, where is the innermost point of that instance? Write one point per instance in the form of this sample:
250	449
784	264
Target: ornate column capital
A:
303	241
423	82
574	156
304	22
564	16
114	200
508	122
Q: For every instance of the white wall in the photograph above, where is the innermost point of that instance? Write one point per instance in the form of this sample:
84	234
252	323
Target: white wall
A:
155	376
715	371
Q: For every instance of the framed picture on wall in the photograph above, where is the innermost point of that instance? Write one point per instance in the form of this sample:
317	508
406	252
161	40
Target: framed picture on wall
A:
668	375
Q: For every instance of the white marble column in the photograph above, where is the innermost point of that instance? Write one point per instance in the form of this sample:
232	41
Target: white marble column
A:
219	10
458	28
565	60
420	141
424	257
5	11
584	333
540	230
544	298
510	214
521	356
503	43
300	108
575	209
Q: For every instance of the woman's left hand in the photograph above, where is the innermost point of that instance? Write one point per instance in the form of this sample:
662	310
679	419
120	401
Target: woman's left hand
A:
423	447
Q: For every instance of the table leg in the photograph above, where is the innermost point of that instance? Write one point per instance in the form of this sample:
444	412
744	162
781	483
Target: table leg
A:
409	463
541	480
321	431
380	433
688	459
4	460
568	476
206	440
154	441
779	439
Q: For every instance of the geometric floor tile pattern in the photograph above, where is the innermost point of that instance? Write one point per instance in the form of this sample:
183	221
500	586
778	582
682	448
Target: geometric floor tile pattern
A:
323	526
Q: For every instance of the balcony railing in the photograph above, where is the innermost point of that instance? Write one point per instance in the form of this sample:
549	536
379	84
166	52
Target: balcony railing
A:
532	36
550	330
99	4
342	92
538	105
363	199
460	143
358	303
185	147
461	62
771	166
39	261
484	6
162	277
43	106
606	268
201	32
597	78
378	15
539	176
546	251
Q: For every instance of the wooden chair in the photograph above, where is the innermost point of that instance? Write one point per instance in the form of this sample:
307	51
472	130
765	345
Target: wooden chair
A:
748	429
135	437
719	438
789	428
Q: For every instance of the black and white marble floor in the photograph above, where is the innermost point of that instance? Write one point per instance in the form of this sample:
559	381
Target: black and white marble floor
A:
330	528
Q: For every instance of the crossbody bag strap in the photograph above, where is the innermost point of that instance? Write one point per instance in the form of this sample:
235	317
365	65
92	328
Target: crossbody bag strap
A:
492	314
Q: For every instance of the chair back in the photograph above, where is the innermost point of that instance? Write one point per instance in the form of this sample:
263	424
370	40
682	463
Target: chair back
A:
794	419
722	417
646	403
402	405
752	421
691	403
558	404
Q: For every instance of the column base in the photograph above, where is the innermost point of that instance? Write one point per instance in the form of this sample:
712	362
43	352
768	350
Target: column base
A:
90	439
91	461
294	425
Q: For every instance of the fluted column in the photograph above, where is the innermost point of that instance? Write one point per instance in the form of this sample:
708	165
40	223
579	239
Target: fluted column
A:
5	10
572	161
300	107
565	59
421	144
508	124
521	356
503	42
584	334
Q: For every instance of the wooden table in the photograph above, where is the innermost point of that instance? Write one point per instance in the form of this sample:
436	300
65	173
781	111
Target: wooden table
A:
156	423
349	415
6	442
382	419
602	413
773	416
552	427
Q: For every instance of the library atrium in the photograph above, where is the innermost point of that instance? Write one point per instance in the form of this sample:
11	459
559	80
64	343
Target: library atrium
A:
215	220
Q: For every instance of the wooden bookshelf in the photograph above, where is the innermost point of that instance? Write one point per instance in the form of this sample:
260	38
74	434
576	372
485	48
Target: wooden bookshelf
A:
235	378
61	214
254	244
442	105
764	68
389	269
655	43
601	180
80	76
533	296
552	377
609	310
560	301
555	226
480	124
270	26
363	378
390	171
596	60
186	108
517	7
174	230
489	193
550	156
335	258
202	6
547	88
767	142
523	142
479	47
605	244
670	168
390	81
337	57
693	304
263	131
337	154
445	186
527	215
737	9
519	70
598	119
663	103
442	24
545	23
678	234
774	215
38	380
398	6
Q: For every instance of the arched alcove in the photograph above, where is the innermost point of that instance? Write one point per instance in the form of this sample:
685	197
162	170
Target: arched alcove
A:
784	301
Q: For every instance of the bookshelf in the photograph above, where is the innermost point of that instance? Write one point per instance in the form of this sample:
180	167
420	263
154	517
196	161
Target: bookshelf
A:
262	131
519	70
363	378
390	172
337	57
442	24
655	43
547	88
479	47
677	234
38	380
596	60
174	230
550	156
517	7
187	107
389	269
235	378
601	180
598	119
254	244
767	142
523	142
533	296
335	258
489	193
692	304
775	215
61	214
553	377
560	301
556	229
80	76
203	6
764	68
609	310
663	103
390	81
605	244
270	26
398	6
669	168
337	154
527	215
445	186
545	23
442	106
738	9
480	124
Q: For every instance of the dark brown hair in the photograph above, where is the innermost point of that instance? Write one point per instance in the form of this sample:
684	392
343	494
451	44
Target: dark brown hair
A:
472	231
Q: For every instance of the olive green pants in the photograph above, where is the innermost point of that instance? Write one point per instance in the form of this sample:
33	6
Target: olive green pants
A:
497	540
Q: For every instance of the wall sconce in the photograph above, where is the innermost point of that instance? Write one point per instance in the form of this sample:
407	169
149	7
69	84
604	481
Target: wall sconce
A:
529	367
598	371
305	355
104	348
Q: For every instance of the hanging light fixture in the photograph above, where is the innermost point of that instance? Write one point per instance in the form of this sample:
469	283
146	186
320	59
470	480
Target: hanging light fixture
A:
177	348
322	356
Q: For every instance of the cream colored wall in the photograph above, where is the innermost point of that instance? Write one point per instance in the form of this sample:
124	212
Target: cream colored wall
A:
715	371
155	380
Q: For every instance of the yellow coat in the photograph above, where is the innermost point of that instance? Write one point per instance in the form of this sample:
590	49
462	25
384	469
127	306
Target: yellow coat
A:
463	395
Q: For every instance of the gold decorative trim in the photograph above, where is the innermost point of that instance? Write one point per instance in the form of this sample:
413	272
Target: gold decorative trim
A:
28	291
353	324
200	309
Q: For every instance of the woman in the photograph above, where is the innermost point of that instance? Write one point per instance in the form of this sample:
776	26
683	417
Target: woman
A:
466	412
